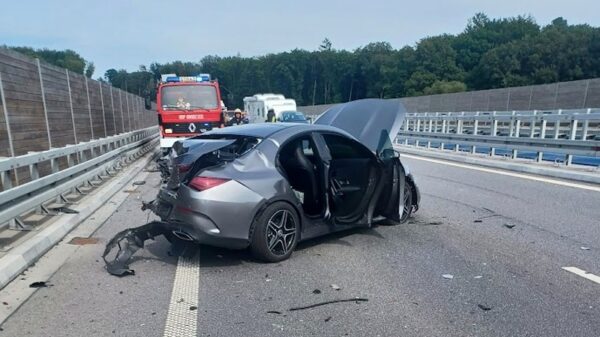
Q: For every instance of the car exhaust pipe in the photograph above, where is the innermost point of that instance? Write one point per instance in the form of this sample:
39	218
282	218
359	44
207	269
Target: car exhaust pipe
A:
183	236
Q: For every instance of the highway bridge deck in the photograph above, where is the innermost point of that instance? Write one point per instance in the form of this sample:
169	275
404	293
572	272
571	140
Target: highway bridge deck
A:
484	256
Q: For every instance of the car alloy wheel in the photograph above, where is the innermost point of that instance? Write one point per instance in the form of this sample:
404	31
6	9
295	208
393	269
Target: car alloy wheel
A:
281	232
275	232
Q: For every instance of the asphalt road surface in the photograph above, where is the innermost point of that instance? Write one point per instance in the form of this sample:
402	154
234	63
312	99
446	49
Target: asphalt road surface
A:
484	256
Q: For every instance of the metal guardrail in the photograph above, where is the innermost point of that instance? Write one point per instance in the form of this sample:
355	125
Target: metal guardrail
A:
106	156
565	132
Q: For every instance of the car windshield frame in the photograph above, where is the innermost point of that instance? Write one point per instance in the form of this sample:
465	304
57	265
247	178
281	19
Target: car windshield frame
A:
189	97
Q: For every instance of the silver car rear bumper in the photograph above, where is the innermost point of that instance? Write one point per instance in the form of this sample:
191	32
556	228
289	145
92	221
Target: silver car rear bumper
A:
220	216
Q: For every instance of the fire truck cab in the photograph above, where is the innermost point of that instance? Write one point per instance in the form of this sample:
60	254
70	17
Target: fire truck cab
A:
187	106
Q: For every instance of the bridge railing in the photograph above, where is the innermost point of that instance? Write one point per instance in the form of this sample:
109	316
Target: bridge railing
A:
566	133
70	167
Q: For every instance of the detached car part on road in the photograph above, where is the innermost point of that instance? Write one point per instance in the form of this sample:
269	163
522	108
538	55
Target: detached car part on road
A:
269	186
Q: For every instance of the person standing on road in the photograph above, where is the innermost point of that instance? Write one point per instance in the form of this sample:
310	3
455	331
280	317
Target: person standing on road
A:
237	118
271	116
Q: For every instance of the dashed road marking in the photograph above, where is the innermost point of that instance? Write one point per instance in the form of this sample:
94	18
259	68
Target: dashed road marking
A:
583	273
182	319
506	173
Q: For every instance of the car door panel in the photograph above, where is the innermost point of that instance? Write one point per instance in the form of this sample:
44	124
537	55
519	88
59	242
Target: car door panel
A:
352	172
394	180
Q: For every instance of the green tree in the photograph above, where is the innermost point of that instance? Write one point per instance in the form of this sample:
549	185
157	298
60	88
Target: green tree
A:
61	58
89	69
488	53
444	87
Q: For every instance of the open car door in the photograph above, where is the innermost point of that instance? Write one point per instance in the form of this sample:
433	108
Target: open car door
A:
393	196
375	124
352	176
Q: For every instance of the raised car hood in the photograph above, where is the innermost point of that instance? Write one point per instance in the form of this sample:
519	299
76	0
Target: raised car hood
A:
374	122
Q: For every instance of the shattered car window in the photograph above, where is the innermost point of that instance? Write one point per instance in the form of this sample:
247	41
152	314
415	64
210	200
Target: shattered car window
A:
241	146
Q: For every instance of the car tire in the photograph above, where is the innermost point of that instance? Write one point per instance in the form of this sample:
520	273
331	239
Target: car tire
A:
276	232
408	206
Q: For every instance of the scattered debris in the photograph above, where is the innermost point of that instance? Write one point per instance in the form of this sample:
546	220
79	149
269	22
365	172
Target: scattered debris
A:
484	307
355	300
64	209
585	248
478	221
510	226
478	277
128	242
435	223
193	307
335	287
39	284
448	276
181	300
5	303
139	182
274	312
79	241
327	319
316	291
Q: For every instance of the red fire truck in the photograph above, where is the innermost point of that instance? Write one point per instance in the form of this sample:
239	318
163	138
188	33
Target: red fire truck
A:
187	106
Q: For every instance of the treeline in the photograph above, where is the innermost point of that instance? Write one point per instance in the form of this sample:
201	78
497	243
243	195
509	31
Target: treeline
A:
62	58
489	53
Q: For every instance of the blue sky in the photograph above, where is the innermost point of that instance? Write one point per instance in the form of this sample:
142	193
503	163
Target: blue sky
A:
127	33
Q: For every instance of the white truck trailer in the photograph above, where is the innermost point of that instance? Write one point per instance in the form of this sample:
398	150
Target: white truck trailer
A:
258	105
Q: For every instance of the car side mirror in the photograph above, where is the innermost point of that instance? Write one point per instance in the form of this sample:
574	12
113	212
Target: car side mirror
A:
389	153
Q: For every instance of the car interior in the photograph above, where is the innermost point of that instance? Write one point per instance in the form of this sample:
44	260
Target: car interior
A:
352	175
300	164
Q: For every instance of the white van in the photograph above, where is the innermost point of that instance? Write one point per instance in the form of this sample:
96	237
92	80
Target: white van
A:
258	105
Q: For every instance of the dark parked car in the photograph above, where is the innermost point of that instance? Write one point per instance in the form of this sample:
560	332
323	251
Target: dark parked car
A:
293	117
269	186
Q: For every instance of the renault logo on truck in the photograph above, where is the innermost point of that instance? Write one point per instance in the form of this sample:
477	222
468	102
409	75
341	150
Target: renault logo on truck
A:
192	127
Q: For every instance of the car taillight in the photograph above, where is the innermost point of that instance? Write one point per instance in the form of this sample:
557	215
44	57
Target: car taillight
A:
204	183
183	168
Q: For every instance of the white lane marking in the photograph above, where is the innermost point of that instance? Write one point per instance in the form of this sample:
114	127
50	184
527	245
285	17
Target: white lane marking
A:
583	273
506	173
182	319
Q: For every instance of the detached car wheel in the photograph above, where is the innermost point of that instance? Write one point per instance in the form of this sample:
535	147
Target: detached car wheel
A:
275	233
407	203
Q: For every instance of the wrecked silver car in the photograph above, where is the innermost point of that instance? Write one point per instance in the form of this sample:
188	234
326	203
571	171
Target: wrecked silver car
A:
268	186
